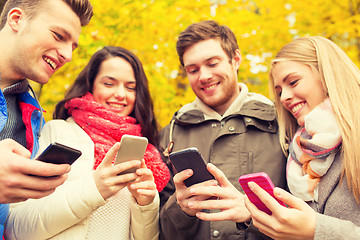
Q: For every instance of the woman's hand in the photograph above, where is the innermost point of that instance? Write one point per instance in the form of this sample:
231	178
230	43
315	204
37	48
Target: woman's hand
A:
295	222
143	188
106	176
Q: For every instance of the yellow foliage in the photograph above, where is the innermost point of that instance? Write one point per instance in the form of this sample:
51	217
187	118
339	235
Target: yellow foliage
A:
150	28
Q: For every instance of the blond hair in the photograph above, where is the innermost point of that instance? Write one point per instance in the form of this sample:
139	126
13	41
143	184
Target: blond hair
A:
340	79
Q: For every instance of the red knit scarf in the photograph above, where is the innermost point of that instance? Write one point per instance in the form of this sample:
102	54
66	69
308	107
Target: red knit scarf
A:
105	128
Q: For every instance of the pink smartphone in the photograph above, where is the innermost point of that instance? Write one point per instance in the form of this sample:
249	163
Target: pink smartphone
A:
264	181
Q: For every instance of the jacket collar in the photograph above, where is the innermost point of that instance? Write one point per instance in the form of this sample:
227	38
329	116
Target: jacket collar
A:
246	104
19	87
234	107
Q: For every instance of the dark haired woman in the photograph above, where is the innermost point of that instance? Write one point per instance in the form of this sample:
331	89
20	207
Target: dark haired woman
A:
109	98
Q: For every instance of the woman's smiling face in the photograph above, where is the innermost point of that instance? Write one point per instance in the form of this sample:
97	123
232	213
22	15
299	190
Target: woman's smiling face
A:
298	87
115	86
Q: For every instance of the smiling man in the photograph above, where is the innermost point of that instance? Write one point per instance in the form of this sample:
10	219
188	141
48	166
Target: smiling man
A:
37	38
232	128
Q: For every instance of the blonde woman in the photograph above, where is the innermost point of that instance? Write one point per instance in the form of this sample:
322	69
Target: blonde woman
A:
317	95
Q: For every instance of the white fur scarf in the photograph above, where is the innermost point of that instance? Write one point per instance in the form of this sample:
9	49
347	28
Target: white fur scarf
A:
312	151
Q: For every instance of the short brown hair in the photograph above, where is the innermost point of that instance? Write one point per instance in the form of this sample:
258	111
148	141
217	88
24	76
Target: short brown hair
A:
82	8
205	30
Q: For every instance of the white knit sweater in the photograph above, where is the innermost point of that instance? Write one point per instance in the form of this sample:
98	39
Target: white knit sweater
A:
76	210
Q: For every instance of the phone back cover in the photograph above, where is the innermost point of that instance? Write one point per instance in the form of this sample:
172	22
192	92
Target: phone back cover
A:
191	159
59	154
132	148
263	180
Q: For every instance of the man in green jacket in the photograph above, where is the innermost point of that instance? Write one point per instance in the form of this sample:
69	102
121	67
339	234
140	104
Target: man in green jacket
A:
233	129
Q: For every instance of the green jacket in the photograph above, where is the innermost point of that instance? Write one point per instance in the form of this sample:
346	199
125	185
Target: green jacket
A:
240	143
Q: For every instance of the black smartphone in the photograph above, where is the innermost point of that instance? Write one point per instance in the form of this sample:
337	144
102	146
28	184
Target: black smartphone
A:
190	158
59	154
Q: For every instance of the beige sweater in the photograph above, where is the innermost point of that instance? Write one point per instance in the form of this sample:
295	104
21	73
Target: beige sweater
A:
76	209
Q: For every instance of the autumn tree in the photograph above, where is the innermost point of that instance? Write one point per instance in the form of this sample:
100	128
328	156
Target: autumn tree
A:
150	29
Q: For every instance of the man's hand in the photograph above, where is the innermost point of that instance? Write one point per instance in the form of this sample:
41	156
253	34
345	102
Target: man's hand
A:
225	197
22	178
183	194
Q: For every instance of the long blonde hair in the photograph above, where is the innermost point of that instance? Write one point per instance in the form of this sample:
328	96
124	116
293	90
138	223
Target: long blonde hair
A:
340	78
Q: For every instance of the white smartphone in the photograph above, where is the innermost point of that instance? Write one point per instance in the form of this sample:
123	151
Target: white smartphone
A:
131	148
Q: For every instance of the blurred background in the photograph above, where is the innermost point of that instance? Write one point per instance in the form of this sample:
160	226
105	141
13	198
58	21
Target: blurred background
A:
150	28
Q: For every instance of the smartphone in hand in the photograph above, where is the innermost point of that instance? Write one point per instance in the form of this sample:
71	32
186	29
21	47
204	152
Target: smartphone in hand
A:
131	148
264	181
190	158
59	154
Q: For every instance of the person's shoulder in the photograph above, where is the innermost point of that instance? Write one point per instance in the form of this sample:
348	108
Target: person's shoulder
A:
68	128
184	109
258	106
61	123
259	98
186	113
55	122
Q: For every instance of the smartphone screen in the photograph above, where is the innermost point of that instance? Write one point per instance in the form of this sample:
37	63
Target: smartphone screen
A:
59	154
190	158
131	148
264	181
